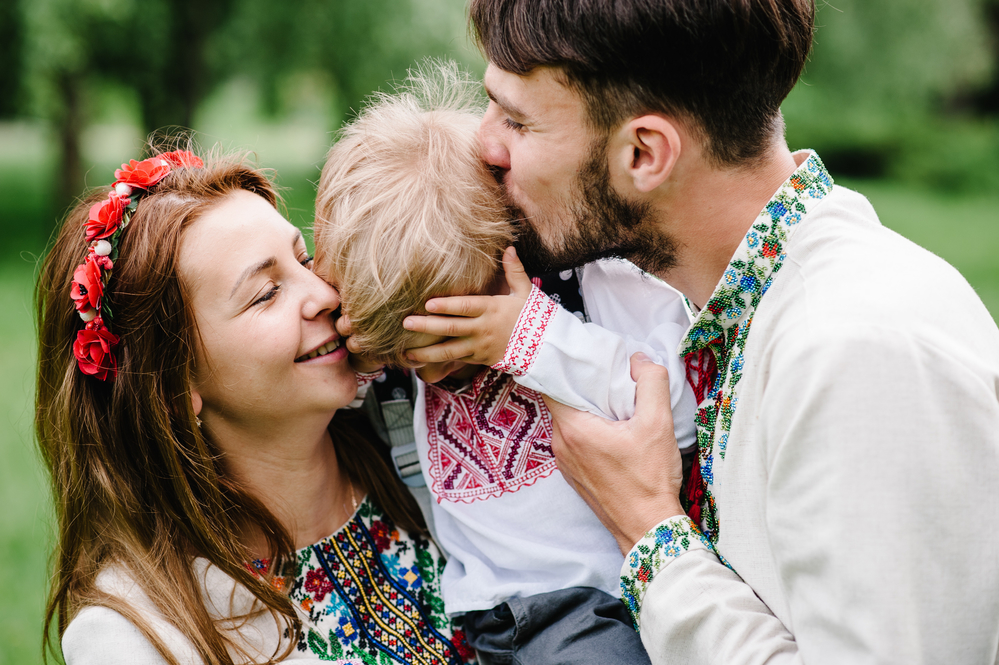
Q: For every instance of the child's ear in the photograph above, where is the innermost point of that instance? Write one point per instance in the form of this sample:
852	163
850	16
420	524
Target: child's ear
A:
645	150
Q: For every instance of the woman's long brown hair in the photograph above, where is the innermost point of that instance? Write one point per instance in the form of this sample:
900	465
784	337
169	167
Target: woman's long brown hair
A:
135	482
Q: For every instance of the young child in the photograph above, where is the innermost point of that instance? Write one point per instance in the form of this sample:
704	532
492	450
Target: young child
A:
406	212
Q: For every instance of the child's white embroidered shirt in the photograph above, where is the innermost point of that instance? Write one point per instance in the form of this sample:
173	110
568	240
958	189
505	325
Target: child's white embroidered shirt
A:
511	524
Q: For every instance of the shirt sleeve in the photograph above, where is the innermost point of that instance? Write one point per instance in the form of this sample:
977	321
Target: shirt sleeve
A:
882	517
587	367
100	636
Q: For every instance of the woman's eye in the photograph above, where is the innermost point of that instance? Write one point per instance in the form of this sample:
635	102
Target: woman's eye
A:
271	292
512	124
307	262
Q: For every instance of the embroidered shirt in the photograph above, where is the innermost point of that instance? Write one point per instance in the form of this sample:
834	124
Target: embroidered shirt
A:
510	523
852	451
367	595
723	326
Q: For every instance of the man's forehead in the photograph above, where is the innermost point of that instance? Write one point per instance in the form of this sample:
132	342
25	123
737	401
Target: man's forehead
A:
540	89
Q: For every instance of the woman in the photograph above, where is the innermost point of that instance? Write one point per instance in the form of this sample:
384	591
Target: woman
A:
189	373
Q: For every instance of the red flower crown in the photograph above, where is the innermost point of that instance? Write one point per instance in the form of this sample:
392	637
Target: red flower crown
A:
95	345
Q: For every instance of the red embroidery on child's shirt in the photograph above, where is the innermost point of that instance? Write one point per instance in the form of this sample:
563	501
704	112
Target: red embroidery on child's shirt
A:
528	333
491	439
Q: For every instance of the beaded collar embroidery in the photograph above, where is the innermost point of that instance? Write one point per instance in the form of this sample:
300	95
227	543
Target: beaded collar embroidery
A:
722	329
95	346
723	325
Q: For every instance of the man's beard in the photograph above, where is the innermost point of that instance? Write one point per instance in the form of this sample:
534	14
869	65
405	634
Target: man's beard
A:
603	224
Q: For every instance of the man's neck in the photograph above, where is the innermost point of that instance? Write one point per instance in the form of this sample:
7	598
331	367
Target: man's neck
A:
710	210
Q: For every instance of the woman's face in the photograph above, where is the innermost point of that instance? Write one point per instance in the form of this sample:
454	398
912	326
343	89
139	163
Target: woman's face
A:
269	350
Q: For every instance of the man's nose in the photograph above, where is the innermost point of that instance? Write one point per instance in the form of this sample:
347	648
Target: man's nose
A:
494	151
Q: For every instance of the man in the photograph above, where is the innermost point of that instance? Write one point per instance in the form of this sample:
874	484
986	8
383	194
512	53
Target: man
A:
844	506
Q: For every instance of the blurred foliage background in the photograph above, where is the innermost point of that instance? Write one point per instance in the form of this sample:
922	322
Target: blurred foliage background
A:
900	98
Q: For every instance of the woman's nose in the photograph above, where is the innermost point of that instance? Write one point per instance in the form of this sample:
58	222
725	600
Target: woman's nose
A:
323	298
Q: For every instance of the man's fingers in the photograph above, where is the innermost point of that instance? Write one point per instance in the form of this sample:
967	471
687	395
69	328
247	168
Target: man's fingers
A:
516	277
652	399
459	305
571	423
452	349
445	326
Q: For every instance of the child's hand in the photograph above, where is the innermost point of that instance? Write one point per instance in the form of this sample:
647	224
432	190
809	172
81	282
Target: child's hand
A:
360	363
480	326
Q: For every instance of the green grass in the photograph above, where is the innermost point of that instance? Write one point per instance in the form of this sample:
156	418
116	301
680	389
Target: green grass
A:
965	231
26	519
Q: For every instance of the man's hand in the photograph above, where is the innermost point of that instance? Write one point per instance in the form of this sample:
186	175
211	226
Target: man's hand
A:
479	326
358	361
629	472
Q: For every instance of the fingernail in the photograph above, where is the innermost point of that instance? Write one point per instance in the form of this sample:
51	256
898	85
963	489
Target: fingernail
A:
641	357
407	323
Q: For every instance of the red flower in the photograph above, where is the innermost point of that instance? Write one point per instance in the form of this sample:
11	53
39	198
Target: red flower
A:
382	536
183	159
87	289
142	174
318	584
106	216
95	353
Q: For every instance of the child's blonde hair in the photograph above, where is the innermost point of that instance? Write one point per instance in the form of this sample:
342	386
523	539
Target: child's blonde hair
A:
406	210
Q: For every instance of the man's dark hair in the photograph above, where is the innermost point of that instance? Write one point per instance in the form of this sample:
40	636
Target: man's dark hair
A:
724	64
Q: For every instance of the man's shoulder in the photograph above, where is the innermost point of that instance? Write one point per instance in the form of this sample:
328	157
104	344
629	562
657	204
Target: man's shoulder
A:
847	276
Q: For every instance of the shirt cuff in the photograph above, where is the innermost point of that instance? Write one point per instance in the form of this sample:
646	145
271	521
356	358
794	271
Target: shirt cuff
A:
657	548
525	342
366	378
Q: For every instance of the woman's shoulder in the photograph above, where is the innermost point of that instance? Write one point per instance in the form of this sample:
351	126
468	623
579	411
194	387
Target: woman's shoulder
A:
98	635
101	635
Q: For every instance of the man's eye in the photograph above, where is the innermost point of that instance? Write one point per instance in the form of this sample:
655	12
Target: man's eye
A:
512	124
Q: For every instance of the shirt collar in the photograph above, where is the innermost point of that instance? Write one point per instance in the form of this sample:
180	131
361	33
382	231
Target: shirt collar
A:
759	256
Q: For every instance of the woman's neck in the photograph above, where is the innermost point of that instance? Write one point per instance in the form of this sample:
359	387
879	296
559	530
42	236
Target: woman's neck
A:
296	476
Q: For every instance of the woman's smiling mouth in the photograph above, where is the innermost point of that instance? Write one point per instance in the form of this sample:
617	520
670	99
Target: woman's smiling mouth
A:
326	348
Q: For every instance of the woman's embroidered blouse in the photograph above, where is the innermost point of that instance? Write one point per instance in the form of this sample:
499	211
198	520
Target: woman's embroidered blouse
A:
371	593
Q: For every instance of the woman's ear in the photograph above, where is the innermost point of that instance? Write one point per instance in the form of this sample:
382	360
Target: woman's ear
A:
196	403
647	150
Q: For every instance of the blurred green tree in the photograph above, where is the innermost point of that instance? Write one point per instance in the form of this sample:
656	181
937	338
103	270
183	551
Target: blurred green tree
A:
173	53
11	64
881	72
356	46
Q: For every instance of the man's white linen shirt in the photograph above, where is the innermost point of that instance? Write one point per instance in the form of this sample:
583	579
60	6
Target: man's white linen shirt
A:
852	461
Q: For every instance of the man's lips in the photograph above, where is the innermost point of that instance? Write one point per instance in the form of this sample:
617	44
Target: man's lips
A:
328	346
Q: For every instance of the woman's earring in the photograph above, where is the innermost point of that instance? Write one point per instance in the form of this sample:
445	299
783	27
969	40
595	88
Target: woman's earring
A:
197	421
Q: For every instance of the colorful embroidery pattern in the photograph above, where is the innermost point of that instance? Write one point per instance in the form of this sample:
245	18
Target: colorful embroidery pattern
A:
528	333
667	541
493	438
372	595
724	323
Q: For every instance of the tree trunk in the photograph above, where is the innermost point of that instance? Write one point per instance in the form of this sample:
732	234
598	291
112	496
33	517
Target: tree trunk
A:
69	127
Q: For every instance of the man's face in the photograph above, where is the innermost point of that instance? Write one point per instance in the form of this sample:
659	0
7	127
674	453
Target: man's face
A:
554	172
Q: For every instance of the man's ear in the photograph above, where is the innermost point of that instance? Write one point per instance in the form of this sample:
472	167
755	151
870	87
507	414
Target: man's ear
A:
646	151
